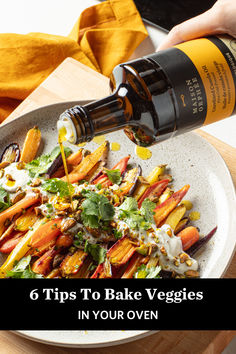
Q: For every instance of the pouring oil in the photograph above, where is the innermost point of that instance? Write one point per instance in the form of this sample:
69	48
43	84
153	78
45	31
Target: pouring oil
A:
61	139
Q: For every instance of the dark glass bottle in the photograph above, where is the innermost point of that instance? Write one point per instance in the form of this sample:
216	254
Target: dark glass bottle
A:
161	95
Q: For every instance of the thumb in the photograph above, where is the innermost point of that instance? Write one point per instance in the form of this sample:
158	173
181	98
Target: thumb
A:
205	24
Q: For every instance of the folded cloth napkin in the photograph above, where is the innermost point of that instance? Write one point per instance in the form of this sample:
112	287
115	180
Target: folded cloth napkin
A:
104	36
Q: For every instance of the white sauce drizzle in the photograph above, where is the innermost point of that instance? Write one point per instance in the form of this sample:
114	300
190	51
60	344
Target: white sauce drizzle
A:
20	176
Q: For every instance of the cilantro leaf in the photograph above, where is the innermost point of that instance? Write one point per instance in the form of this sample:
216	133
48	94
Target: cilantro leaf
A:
144	272
57	186
114	176
23	270
97	252
147	209
4	199
96	208
133	216
129	204
41	165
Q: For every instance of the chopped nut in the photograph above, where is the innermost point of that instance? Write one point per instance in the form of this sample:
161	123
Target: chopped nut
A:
38	211
18	196
169	232
36	182
189	262
183	257
163	250
60	213
20	165
176	262
67	224
9	177
192	274
94	232
35	190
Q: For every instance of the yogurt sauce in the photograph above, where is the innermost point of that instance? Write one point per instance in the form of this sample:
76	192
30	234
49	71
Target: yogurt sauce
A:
19	178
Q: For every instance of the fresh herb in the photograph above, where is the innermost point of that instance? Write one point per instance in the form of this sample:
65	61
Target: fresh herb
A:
135	218
130	204
147	209
4	199
41	165
117	234
79	240
49	207
114	176
97	252
96	209
23	270
98	186
144	272
57	186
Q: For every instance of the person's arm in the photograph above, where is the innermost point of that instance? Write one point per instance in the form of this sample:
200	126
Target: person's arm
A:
221	18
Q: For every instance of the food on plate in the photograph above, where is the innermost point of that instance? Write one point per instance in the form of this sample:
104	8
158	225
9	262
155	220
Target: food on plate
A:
105	223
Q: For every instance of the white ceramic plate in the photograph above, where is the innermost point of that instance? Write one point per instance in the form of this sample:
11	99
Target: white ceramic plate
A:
191	160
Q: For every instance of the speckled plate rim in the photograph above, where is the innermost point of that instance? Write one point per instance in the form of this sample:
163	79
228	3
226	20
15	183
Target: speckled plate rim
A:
130	336
123	336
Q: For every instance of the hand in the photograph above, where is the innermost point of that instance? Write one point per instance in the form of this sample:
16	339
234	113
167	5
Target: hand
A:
221	18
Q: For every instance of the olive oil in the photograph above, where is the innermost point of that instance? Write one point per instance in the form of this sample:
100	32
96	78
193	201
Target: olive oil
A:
143	153
61	139
115	146
162	95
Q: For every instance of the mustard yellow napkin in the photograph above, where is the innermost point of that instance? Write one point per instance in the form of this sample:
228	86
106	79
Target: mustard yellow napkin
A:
104	36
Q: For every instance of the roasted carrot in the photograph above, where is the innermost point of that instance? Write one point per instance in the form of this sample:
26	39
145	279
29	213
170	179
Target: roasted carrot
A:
24	203
164	209
27	220
154	191
31	145
121	251
81	171
8	245
121	165
64	240
75	158
21	249
71	161
134	263
47	232
84	270
188	236
72	263
43	264
175	216
151	178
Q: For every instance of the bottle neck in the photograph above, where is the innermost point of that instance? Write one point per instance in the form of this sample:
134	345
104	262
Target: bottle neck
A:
96	118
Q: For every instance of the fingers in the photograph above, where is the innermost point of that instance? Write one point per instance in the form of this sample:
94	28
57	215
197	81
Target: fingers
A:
207	23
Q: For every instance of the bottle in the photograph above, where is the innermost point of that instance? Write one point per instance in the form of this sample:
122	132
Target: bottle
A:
161	95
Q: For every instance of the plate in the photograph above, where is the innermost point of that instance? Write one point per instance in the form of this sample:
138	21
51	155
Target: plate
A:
192	160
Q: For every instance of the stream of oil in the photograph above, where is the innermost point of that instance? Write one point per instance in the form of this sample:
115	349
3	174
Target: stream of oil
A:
61	139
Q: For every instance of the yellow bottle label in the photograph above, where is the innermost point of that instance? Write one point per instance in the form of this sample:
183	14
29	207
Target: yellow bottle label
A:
202	77
216	75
